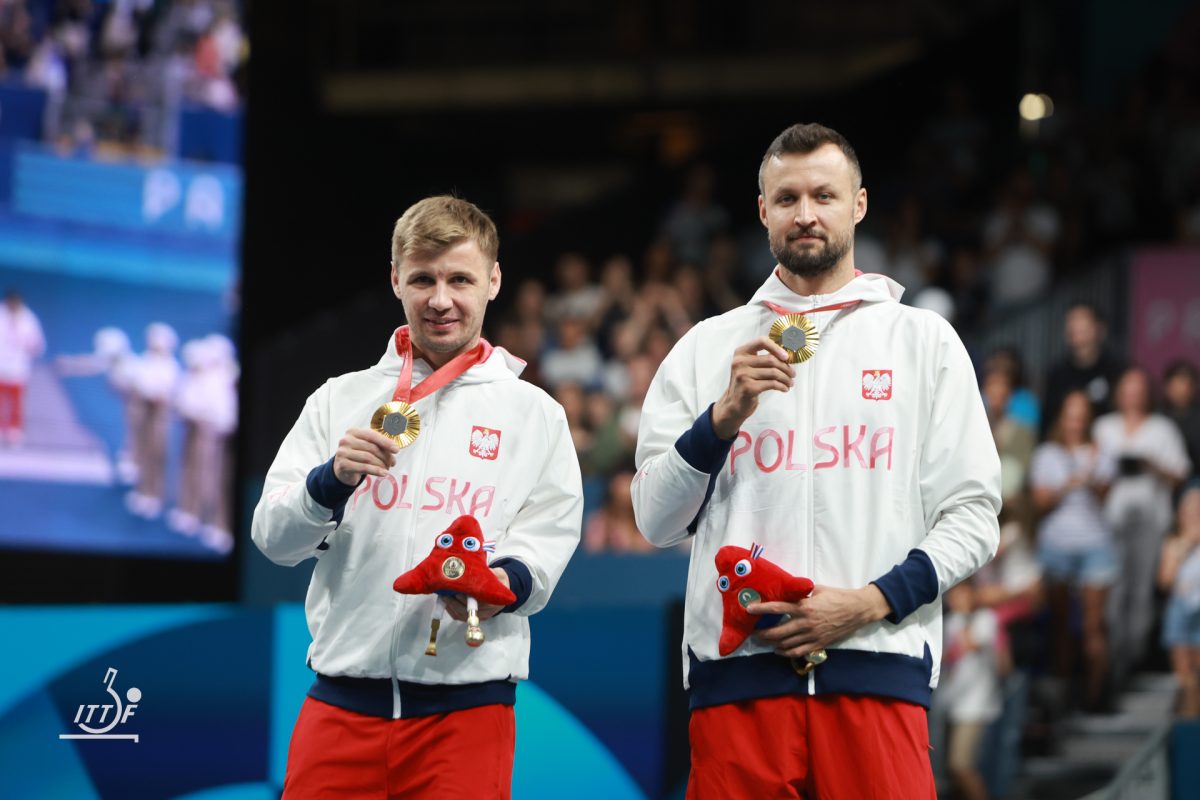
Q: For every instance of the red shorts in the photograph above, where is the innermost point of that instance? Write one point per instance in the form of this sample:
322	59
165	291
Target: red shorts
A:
340	754
828	747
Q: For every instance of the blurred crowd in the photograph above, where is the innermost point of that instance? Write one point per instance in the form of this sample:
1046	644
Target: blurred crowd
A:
116	73
979	240
1098	573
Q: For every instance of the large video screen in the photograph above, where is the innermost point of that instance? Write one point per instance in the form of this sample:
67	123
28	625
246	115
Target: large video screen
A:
118	362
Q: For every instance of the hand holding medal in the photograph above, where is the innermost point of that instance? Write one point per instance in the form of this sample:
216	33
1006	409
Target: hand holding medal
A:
758	366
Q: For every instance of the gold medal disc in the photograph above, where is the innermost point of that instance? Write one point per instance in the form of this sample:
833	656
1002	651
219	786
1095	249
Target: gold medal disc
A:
398	421
796	334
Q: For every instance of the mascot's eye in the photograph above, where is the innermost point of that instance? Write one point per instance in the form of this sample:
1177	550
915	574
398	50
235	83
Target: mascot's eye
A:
445	540
471	543
742	567
723	583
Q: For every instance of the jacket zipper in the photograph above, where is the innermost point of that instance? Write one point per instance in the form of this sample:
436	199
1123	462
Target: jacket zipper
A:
408	545
811	493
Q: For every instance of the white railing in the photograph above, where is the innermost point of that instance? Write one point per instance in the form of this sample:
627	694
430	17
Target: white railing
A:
1036	331
1145	776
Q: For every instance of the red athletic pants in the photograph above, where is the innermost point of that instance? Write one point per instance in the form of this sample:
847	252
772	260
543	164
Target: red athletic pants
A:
462	755
827	747
10	405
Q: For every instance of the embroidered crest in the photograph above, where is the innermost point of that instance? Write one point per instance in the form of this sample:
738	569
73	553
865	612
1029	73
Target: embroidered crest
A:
877	384
485	443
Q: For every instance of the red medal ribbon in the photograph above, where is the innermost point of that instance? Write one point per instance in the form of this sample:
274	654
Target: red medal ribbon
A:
836	306
456	366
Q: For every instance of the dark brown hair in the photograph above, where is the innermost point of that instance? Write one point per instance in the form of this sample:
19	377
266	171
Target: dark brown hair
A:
803	138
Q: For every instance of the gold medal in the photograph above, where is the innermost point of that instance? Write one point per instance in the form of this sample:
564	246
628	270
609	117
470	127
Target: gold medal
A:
796	334
398	421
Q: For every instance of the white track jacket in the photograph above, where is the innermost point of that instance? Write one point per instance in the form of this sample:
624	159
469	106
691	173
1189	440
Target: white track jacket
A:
877	466
490	445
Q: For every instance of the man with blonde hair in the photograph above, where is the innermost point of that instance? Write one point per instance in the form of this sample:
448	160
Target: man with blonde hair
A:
368	498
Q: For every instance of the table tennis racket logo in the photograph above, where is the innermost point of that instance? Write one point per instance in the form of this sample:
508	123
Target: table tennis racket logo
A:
98	720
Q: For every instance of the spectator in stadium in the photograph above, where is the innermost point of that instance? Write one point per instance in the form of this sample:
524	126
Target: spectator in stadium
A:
696	219
1179	395
969	689
574	357
1151	462
1069	476
1088	365
1011	586
611	528
1023	404
1179	575
1014	440
912	255
575	296
1019	237
619	299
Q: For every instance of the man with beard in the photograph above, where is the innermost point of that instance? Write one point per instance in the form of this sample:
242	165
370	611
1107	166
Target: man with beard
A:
843	434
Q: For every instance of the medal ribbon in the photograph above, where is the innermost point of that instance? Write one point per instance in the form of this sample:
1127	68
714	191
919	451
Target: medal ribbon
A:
835	307
456	366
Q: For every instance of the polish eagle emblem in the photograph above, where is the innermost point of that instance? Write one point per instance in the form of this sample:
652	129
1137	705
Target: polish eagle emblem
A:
877	384
485	443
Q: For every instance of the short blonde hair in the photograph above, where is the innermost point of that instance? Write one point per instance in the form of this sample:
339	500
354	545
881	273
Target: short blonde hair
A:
435	224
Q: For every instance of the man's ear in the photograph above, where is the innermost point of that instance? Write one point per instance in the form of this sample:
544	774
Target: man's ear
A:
762	210
395	280
494	281
860	205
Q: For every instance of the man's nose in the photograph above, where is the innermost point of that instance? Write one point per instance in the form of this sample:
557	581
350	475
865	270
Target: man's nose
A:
805	213
441	297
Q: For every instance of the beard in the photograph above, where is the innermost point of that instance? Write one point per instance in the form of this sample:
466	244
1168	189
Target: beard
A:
813	261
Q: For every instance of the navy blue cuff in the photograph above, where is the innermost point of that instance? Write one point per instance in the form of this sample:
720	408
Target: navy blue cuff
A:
700	446
519	581
328	491
909	585
702	449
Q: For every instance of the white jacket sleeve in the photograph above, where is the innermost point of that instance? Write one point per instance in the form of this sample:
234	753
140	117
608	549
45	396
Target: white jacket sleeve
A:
959	485
288	523
960	470
545	531
668	490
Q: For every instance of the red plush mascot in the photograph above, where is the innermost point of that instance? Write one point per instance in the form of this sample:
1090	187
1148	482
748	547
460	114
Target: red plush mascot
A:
744	577
457	565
